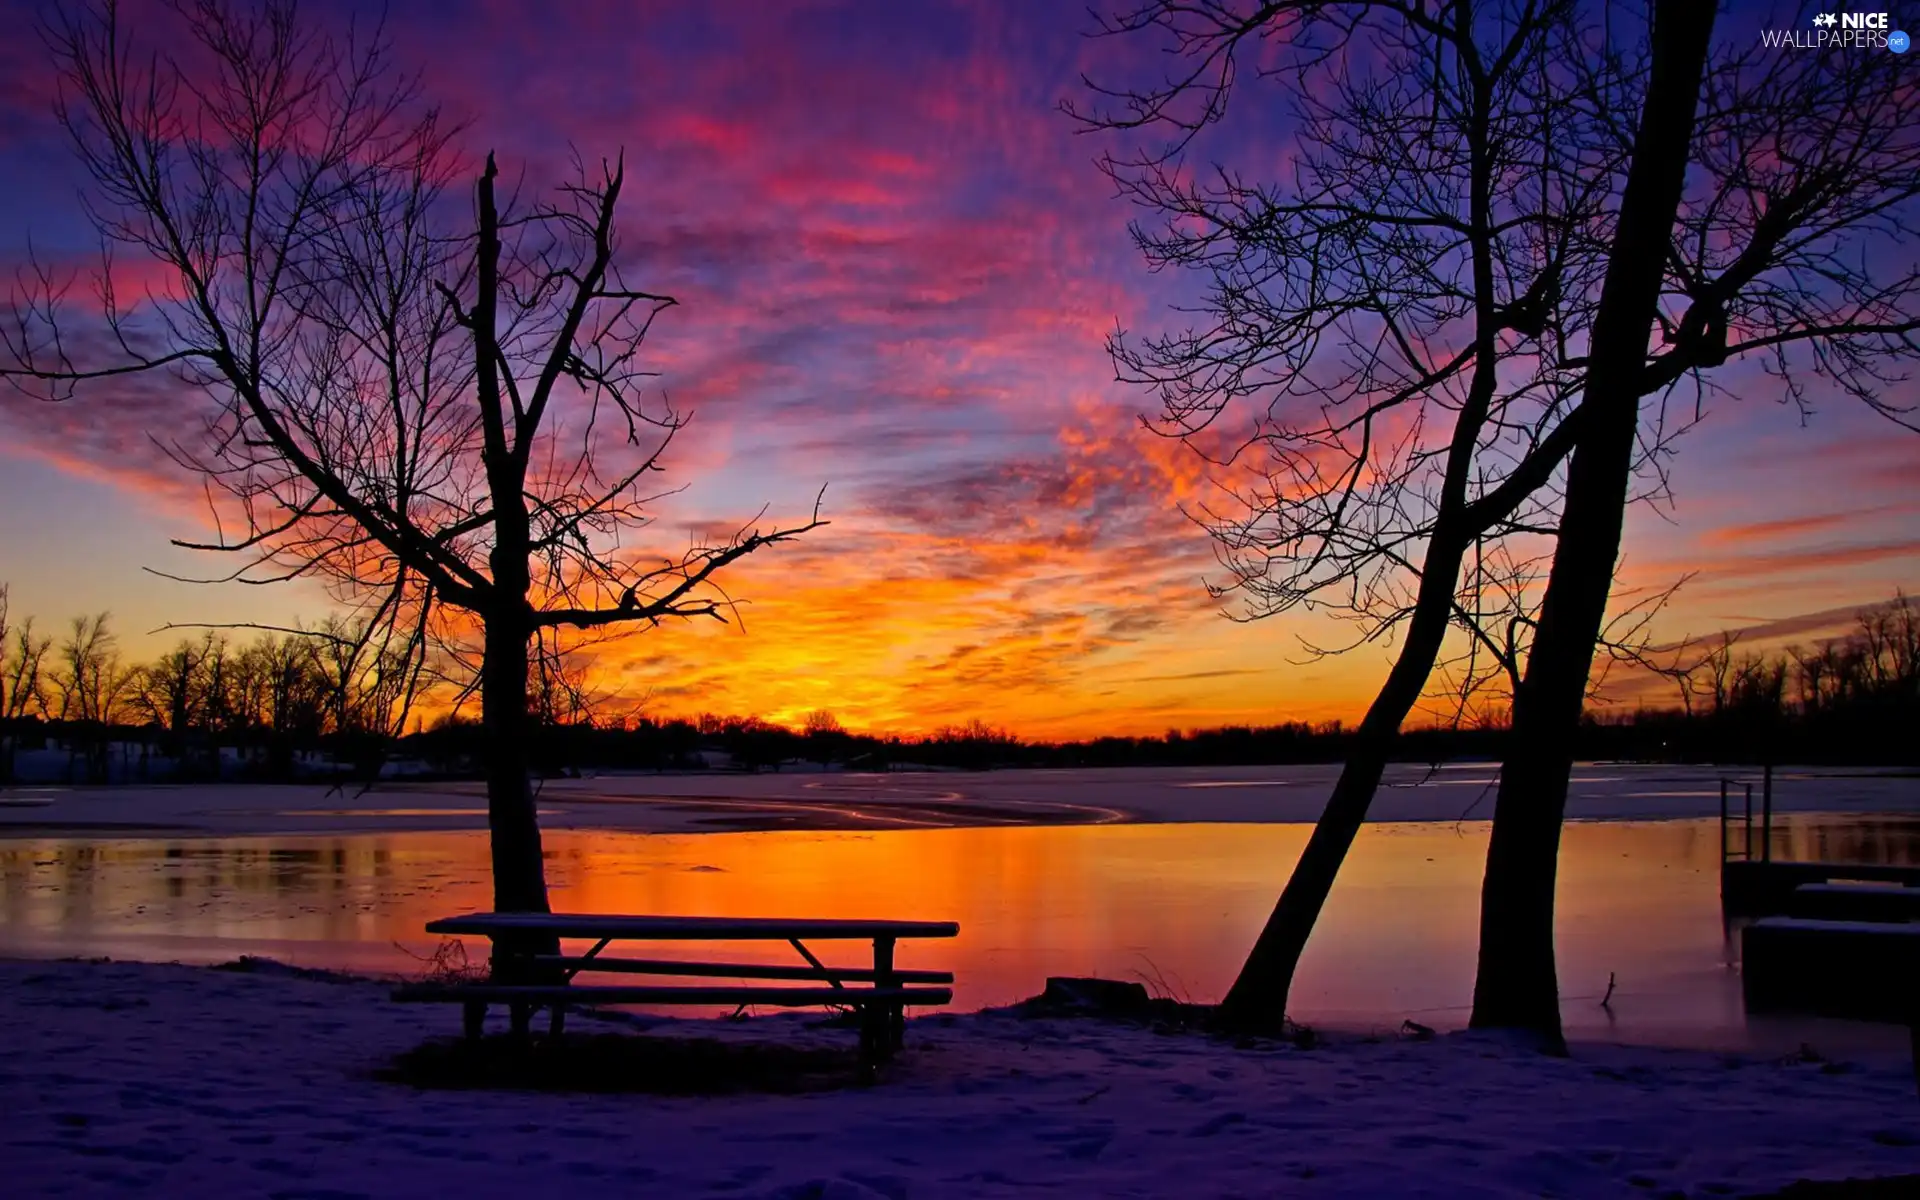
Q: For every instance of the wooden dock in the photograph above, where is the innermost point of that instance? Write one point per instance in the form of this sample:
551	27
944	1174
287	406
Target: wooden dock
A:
1754	884
1855	902
1835	939
1763	888
1863	970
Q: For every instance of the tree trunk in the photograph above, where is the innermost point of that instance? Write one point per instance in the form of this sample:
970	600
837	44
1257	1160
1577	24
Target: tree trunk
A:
519	872
1258	998
1516	985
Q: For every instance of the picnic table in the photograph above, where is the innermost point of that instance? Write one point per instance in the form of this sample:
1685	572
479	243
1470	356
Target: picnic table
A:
530	970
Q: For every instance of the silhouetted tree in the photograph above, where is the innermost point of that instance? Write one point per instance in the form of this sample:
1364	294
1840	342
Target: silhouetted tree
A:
21	686
1396	328
1454	207
1788	247
753	743
973	744
1854	697
170	693
1508	989
292	699
90	687
826	737
405	397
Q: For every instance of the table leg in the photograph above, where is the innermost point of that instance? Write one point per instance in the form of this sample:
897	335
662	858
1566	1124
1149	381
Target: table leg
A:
475	1019
567	976
869	1042
815	963
885	1016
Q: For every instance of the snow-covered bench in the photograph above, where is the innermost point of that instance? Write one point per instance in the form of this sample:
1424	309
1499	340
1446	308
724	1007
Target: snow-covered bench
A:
527	973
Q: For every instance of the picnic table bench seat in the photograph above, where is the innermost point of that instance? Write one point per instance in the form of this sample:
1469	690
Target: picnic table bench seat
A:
721	970
526	974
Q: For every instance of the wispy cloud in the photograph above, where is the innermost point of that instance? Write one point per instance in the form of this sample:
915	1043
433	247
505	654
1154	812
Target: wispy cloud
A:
1792	527
896	266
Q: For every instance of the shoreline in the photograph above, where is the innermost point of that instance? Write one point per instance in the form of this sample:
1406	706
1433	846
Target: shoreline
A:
28	832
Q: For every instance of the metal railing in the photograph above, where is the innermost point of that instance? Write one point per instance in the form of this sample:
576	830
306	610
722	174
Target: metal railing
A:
1743	849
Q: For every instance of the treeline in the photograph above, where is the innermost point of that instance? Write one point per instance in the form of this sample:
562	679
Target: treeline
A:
1849	699
752	744
282	706
1852	699
209	703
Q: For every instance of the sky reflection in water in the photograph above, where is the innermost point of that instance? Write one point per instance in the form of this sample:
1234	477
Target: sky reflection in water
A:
1174	905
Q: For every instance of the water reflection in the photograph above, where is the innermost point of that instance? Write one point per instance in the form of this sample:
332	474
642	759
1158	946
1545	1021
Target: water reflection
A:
1176	905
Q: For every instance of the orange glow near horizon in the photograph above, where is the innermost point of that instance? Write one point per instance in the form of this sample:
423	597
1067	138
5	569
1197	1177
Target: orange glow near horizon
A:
895	271
1175	905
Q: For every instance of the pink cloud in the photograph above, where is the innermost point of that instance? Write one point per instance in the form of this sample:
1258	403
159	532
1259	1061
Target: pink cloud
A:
896	265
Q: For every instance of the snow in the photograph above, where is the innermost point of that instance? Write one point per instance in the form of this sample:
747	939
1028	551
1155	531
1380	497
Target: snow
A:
1812	925
127	1077
727	801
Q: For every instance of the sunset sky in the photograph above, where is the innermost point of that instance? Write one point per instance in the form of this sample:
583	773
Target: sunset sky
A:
895	264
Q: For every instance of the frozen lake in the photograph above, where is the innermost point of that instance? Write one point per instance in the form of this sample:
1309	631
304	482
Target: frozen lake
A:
1129	890
712	802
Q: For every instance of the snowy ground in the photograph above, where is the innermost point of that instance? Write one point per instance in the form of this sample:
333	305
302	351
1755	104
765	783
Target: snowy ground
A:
122	1078
723	801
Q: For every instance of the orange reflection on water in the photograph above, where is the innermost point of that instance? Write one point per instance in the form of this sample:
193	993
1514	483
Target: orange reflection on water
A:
1174	905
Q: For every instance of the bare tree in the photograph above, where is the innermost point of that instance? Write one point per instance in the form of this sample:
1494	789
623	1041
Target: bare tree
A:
1407	325
564	691
406	401
22	689
293	703
1396	329
170	693
90	689
1786	248
826	737
1852	689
